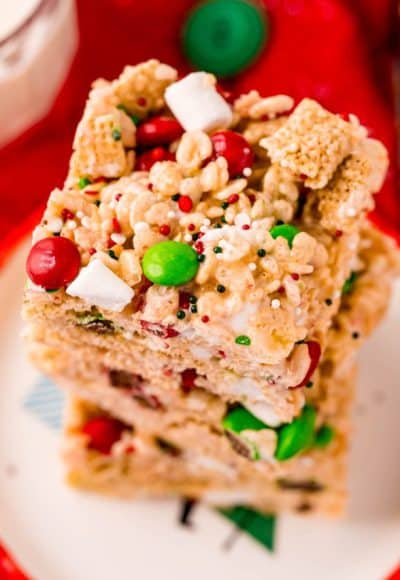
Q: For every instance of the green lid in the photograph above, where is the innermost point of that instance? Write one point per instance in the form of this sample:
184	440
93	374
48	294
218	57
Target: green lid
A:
224	36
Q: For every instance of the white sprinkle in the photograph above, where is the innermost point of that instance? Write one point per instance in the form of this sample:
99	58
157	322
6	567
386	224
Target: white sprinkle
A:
187	238
292	147
336	294
171	215
165	72
55	225
206	222
128	335
113	204
79	214
247	171
275	304
86	222
71	224
351	212
118	238
203	229
219	256
141	227
252	266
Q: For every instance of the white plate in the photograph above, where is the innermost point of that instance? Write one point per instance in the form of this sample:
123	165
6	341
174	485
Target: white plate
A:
60	534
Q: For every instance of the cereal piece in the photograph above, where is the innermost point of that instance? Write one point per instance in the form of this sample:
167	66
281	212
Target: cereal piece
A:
311	144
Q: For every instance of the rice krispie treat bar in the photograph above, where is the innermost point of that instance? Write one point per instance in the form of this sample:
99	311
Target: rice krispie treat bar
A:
196	231
141	394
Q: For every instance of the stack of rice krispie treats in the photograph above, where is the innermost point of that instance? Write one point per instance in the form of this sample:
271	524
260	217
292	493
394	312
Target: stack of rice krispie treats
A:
201	286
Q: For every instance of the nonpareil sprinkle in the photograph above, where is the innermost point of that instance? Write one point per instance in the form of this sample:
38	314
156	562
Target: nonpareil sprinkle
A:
83	182
180	314
112	254
217	250
261	252
224	205
221	289
116	134
201	257
243	340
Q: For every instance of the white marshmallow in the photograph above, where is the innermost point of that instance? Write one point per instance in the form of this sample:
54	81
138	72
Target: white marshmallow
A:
99	286
197	104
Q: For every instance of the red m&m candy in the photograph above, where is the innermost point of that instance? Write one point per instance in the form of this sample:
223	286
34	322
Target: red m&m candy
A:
103	432
146	160
235	149
158	131
53	262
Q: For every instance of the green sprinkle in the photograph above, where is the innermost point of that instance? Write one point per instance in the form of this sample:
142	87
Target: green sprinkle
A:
51	290
261	252
328	302
348	286
201	257
116	134
240	419
195	237
112	254
192	299
217	250
180	314
324	436
217	226
135	119
243	340
193	309
224	205
83	182
287	231
170	263
297	435
176	196
97	203
221	289
355	335
223	219
309	385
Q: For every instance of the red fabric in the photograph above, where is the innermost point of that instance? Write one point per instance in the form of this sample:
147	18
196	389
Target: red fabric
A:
337	51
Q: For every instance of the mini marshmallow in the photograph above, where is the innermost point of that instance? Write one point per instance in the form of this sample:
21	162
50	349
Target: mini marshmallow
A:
197	104
99	286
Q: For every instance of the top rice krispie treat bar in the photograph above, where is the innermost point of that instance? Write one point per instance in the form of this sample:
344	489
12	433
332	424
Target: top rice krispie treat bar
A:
223	228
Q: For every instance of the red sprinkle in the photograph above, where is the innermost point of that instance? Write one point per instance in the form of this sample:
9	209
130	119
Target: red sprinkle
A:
295	276
233	198
91	192
221	354
118	196
338	233
205	319
100	180
130	449
165	230
116	226
303	176
110	243
191	227
185	203
67	214
167	372
245	227
141	101
252	197
199	247
103	432
53	262
92	251
281	290
184	302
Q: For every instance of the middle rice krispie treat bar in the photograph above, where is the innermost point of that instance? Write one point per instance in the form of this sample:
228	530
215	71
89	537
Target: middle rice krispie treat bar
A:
203	233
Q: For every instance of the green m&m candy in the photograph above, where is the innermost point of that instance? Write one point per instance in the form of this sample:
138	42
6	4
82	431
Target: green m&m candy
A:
297	435
170	263
224	36
286	231
240	419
